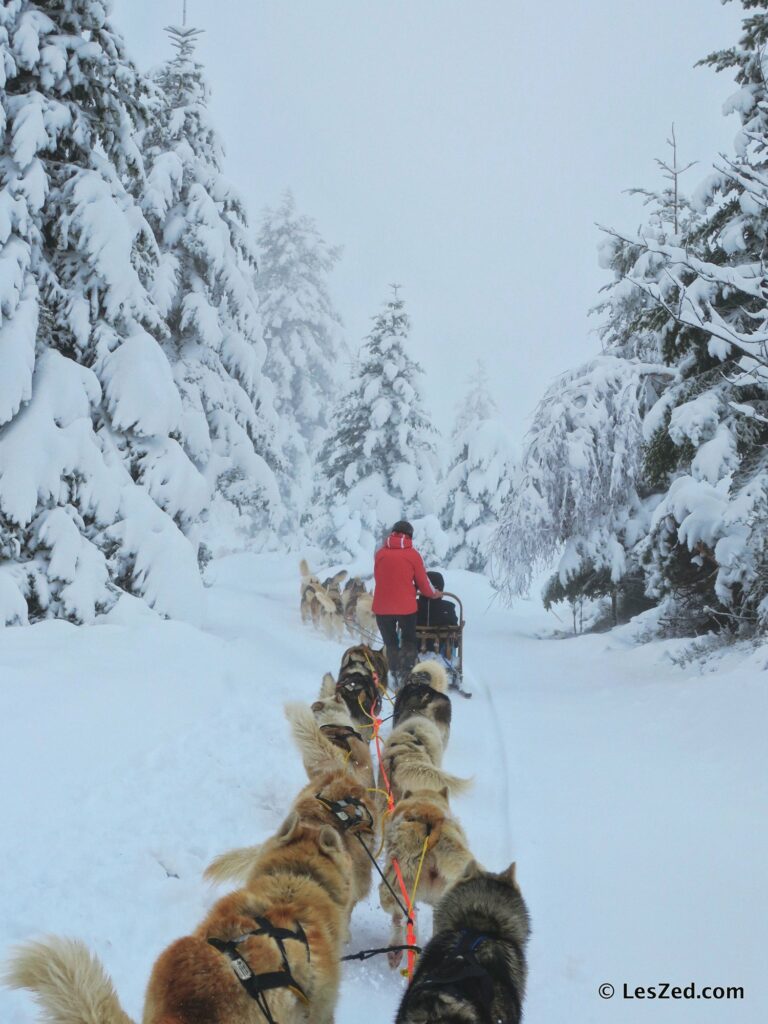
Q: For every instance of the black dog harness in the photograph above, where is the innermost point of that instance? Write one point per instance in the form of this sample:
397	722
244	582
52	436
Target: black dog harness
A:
462	975
257	985
351	813
340	735
361	682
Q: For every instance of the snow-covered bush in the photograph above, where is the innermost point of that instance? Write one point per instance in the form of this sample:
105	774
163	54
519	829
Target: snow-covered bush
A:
579	492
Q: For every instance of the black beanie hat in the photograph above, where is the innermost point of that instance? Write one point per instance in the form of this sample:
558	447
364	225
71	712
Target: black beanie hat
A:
436	579
403	526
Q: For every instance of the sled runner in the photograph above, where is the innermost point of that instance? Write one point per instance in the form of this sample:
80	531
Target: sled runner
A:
447	641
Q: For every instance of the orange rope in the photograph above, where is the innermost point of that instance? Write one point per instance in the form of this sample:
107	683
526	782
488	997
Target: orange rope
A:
410	928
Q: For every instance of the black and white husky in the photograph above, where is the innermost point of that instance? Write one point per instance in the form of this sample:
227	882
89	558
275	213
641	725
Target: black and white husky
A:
473	971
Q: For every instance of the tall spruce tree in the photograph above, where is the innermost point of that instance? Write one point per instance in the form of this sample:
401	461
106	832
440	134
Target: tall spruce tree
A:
378	463
205	290
479	477
95	491
706	555
584	496
302	330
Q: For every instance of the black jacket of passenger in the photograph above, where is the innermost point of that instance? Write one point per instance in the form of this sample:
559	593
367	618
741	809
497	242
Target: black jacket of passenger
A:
436	611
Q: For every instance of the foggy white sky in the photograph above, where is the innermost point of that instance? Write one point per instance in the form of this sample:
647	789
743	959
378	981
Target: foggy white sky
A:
463	148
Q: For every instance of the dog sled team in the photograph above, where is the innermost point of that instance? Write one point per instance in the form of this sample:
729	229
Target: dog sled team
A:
270	951
406	600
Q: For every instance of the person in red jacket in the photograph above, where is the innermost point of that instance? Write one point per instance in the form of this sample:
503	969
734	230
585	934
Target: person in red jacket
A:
398	571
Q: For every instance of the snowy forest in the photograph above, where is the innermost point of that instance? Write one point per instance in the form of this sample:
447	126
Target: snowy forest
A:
176	380
293	296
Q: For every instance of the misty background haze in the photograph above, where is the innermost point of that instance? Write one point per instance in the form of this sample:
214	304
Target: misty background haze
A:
462	150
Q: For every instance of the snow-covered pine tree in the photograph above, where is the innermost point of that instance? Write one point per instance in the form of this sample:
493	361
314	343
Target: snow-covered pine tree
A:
377	465
95	491
205	290
707	554
584	494
302	330
479	477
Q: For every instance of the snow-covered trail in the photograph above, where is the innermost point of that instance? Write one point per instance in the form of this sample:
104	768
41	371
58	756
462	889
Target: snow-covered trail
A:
630	792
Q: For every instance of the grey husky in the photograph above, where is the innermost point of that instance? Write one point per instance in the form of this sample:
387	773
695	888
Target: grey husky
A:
473	970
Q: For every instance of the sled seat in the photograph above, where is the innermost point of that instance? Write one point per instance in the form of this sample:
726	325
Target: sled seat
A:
446	640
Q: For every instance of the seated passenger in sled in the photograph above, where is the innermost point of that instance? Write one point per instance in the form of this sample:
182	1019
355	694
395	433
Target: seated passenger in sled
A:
435	611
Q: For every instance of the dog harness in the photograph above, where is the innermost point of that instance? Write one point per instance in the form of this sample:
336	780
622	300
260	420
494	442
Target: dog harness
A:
361	682
351	813
340	735
257	985
462	975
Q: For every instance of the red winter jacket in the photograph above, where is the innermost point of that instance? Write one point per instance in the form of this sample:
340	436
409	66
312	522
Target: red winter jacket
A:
398	570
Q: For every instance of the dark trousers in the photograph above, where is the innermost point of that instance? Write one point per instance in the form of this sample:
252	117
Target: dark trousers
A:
402	650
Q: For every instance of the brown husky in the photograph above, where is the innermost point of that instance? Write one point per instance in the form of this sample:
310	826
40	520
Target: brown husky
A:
273	944
337	799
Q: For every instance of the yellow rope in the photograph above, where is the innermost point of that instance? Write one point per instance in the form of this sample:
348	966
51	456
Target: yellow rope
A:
418	873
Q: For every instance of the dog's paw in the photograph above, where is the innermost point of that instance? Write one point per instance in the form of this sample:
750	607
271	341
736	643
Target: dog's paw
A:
395	958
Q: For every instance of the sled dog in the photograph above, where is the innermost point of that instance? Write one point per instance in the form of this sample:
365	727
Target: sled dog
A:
336	745
275	943
354	589
314	602
421	817
474	968
362	676
336	799
412	759
424	695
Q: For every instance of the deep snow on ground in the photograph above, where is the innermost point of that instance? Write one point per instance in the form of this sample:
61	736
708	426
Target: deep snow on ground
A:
630	791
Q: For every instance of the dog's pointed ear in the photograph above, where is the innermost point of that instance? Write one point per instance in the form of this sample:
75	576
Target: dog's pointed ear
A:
330	840
328	685
510	875
289	828
338	698
472	870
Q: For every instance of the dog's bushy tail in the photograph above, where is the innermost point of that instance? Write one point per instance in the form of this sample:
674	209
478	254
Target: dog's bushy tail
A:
68	982
235	865
424	776
317	752
304	568
438	677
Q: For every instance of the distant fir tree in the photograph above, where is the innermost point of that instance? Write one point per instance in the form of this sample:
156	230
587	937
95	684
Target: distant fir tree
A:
377	465
479	478
95	491
205	290
305	349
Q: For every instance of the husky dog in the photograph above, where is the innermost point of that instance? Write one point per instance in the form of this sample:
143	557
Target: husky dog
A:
275	943
335	798
314	602
412	759
364	616
424	695
420	818
353	590
473	971
334	745
362	677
